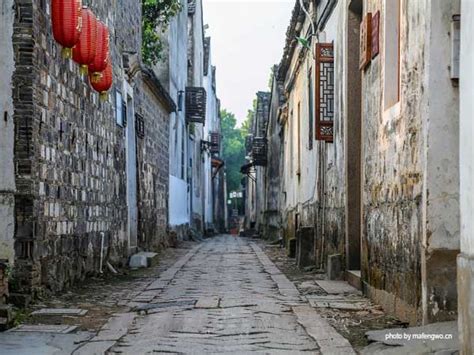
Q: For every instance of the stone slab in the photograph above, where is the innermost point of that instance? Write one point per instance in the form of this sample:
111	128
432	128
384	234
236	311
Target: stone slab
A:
60	312
116	327
44	328
95	347
158	285
208	302
27	343
336	287
328	339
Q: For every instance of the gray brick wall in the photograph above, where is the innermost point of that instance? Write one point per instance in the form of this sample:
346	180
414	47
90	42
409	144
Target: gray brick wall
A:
153	160
70	154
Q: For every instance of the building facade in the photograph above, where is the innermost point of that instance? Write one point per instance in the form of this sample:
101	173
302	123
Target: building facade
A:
87	181
364	123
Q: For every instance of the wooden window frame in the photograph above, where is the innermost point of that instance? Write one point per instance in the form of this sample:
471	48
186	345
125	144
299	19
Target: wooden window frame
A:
322	123
310	109
298	140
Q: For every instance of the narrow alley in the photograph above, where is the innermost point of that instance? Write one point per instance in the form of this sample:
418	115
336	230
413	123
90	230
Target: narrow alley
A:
223	295
235	176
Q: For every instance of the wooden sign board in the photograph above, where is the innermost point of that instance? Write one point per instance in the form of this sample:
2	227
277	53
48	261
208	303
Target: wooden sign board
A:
365	41
375	40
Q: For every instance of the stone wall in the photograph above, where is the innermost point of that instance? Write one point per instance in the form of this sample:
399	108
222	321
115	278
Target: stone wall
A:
70	154
7	129
403	266
153	173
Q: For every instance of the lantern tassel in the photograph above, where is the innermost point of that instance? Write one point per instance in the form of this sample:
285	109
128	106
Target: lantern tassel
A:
104	95
66	53
96	77
84	69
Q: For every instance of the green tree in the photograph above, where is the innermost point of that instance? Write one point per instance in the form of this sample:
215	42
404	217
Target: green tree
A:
233	149
156	15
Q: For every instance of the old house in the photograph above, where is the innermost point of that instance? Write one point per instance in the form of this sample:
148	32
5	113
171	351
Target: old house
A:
187	74
271	225
257	162
214	201
172	72
368	123
85	181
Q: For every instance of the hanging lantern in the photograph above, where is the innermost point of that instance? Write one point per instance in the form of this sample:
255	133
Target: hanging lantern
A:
99	64
103	82
84	51
67	23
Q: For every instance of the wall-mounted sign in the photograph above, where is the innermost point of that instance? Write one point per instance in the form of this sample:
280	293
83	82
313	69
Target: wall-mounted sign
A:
365	39
375	34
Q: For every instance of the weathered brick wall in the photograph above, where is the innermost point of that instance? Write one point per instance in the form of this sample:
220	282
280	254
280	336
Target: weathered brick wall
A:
70	154
393	177
153	160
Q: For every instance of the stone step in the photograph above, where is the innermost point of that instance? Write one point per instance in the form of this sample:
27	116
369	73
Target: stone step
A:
143	260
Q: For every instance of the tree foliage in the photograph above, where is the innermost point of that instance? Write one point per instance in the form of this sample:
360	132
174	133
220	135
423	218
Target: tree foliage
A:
156	15
233	148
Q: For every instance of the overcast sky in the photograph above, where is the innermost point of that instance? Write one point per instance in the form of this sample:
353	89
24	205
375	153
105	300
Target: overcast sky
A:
248	37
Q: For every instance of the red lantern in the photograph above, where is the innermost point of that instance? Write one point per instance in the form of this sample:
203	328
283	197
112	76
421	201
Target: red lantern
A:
102	83
67	23
84	51
99	64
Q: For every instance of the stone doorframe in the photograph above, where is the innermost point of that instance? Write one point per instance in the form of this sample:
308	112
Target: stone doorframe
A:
131	168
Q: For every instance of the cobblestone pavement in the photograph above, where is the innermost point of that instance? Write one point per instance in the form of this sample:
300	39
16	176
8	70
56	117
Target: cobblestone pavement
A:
226	296
223	296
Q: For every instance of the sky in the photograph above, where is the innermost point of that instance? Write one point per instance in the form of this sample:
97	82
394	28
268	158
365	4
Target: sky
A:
247	39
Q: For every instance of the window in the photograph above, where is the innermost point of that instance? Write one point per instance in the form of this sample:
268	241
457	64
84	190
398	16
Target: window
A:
119	108
324	91
310	110
140	126
392	53
298	141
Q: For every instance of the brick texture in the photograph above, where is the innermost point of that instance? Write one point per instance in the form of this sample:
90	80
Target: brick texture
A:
70	154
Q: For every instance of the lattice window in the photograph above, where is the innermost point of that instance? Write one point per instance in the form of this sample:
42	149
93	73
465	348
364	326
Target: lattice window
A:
196	104
215	140
140	125
325	92
259	151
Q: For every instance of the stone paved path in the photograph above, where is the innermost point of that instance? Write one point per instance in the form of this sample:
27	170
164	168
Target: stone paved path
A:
223	296
226	296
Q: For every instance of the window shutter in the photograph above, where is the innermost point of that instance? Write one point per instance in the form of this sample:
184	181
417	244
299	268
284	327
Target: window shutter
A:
196	104
324	92
365	41
215	142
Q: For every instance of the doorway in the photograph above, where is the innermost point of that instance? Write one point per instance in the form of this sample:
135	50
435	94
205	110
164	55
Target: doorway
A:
131	162
353	141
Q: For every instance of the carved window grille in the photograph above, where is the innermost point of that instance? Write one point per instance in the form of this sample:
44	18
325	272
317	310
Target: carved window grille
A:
196	104
140	126
259	151
215	140
324	92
